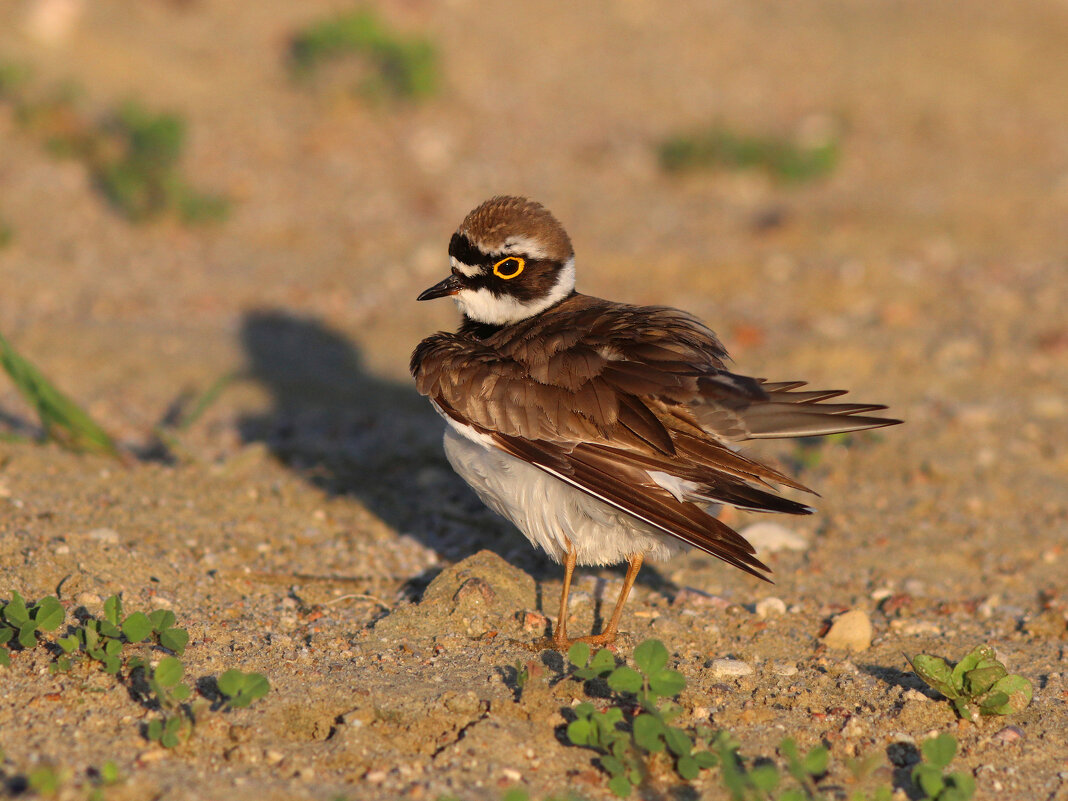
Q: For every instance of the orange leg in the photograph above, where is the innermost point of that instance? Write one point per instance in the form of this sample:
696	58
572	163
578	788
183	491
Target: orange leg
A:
560	641
608	636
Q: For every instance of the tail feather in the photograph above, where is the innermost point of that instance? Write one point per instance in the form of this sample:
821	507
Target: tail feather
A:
789	413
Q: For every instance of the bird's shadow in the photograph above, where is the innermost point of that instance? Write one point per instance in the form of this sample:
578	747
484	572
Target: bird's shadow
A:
351	432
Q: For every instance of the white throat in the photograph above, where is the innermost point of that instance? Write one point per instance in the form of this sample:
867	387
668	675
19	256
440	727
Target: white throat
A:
483	306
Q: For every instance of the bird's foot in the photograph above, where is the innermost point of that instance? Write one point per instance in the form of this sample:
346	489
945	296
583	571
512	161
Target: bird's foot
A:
563	643
604	638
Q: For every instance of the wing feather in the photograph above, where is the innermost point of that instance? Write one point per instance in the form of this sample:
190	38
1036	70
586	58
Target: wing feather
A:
604	395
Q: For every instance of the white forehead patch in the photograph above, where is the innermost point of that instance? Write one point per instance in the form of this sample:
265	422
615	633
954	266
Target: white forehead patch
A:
522	246
466	269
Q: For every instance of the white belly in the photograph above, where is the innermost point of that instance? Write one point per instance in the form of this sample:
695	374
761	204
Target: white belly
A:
550	512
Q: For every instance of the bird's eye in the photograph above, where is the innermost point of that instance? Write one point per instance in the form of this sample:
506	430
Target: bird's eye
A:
509	268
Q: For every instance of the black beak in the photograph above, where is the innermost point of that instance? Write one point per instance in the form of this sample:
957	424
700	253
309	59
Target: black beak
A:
442	289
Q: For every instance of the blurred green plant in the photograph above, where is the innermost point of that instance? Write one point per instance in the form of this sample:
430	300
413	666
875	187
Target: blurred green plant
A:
7	234
62	420
133	154
931	778
13	76
401	67
50	781
47	780
186	410
979	684
241	689
720	147
143	181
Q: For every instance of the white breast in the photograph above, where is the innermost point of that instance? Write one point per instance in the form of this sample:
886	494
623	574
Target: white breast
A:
548	511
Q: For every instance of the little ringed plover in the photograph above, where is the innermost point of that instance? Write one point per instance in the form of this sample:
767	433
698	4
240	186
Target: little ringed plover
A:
605	432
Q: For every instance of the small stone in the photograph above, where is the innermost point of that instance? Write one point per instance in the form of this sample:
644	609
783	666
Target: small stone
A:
358	717
242	753
61	550
152	755
772	537
915	587
851	631
272	757
533	622
511	774
723	668
915	627
87	599
1008	735
770	607
108	536
375	776
912	694
784	669
854	728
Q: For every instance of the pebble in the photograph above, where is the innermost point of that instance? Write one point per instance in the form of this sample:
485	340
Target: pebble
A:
987	607
731	667
533	622
772	537
106	535
475	590
272	757
769	607
854	728
375	776
851	631
915	587
87	599
784	669
915	627
913	694
153	755
1010	734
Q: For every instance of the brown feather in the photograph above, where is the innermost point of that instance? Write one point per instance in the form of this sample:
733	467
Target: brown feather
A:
600	393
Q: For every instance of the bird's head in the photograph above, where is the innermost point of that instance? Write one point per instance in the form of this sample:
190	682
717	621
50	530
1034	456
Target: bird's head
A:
510	260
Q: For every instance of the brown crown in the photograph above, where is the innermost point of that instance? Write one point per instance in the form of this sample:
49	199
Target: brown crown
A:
491	225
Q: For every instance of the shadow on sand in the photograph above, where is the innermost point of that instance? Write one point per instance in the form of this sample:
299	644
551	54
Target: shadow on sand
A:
353	433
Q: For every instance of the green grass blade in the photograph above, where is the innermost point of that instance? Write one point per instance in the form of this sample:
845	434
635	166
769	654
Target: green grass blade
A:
62	419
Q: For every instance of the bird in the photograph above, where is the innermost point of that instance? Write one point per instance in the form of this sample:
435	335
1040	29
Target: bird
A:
606	432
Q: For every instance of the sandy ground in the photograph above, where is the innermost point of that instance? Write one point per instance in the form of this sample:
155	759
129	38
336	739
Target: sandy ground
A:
311	508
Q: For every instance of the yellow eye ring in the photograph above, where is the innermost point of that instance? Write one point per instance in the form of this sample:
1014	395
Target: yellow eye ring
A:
519	265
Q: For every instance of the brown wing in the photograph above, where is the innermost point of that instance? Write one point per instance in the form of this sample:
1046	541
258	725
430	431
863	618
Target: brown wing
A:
604	395
627	487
